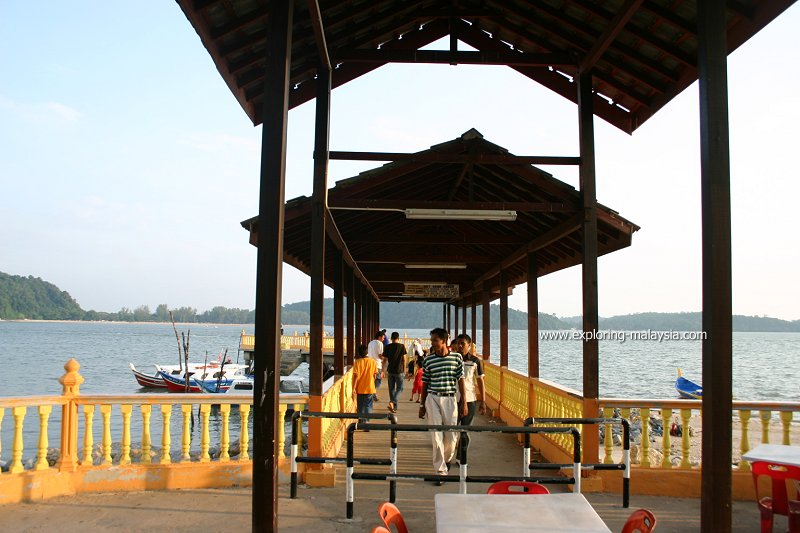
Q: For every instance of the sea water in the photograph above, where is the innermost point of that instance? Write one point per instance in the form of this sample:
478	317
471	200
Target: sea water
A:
766	366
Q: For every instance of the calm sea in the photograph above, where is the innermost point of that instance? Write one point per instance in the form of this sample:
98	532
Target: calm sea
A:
766	366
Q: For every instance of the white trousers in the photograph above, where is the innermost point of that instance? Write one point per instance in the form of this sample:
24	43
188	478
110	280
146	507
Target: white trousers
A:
442	410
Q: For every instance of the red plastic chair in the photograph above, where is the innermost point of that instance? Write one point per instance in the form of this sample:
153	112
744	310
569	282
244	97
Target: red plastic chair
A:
641	520
779	502
391	516
517	487
380	529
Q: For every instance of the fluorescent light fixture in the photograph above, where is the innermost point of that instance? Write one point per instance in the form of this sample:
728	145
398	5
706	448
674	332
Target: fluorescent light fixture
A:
460	214
437	283
453	266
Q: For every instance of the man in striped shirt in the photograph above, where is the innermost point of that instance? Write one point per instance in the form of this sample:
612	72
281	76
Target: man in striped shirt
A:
442	378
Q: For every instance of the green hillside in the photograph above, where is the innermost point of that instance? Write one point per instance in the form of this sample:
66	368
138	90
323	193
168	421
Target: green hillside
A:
35	299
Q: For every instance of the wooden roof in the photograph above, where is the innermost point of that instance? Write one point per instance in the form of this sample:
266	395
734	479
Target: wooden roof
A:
643	53
465	173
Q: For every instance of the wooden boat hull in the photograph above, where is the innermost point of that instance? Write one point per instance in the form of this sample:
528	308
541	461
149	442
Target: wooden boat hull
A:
146	380
688	389
178	384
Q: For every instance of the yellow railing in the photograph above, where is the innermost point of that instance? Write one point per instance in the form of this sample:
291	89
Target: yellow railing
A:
97	432
338	398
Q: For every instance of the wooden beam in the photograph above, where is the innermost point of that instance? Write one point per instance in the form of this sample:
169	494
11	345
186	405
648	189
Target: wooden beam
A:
487	322
269	269
474	318
613	29
503	318
349	277
464	158
716	479
338	314
319	35
491	57
384	204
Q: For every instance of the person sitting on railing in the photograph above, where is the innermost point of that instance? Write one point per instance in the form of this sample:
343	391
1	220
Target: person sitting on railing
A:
364	371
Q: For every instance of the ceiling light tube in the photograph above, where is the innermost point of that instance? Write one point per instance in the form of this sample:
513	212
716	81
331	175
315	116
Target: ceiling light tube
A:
453	266
460	214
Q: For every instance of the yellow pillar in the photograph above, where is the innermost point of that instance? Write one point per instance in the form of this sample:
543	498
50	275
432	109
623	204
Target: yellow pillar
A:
786	422
105	411
686	415
146	410
590	438
166	438
744	443
125	455
244	437
205	439
16	445
315	428
44	416
765	416
645	417
225	441
88	437
281	430
71	383
666	419
186	435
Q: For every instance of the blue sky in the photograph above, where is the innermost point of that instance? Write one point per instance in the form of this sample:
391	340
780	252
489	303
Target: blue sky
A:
127	164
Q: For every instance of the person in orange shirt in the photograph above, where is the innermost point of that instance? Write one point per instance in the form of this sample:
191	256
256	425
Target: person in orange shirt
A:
364	371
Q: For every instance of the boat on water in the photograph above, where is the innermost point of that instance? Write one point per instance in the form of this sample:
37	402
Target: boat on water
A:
218	377
155	381
291	384
688	389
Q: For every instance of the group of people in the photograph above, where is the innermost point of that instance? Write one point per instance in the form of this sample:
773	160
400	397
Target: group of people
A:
448	381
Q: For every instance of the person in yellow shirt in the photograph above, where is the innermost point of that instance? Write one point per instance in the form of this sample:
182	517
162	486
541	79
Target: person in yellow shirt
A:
364	371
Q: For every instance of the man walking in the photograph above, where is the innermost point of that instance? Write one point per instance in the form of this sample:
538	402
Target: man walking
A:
375	351
442	378
394	362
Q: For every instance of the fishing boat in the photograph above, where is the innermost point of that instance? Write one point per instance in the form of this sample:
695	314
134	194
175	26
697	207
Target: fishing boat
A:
218	377
688	389
155	381
292	384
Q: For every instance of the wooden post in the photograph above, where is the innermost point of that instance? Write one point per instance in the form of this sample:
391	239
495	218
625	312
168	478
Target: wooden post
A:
591	377
455	321
487	324
270	266
319	206
338	314
503	319
464	317
716	480
474	317
533	317
359	311
351	311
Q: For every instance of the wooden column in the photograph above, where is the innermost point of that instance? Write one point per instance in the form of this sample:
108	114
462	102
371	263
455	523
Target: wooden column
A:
455	321
444	316
447	321
503	318
591	378
487	322
715	507
533	317
474	317
464	317
351	311
270	268
319	206
338	314
359	333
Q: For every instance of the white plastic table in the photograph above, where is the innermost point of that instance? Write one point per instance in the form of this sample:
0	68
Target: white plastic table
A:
468	513
774	453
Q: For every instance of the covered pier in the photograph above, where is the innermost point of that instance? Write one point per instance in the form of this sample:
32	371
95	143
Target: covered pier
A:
620	61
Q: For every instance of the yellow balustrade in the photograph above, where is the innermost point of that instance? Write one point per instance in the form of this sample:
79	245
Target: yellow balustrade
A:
515	393
244	438
686	415
16	445
224	439
146	410
744	443
44	416
608	438
786	422
644	417
281	430
105	411
88	437
166	441
666	445
125	458
205	438
186	434
491	380
765	416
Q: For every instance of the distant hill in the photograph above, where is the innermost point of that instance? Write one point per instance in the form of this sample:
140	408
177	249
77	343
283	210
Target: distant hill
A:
33	298
685	322
420	315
